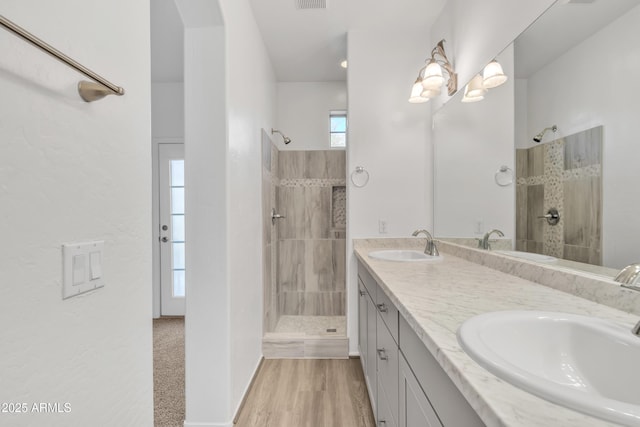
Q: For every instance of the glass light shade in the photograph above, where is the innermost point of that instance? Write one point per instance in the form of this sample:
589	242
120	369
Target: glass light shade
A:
430	93
492	75
475	95
472	99
432	76
475	87
416	92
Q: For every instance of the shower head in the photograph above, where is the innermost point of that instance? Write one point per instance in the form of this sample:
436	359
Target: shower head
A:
285	138
539	136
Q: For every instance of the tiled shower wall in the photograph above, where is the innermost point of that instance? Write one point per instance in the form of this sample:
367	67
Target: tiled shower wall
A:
565	174
311	239
269	242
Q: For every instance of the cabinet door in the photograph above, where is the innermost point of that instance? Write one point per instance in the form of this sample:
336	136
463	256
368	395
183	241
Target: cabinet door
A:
362	324
387	355
415	409
371	373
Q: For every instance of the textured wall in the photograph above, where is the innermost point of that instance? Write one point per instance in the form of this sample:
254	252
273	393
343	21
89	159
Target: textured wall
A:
311	246
71	172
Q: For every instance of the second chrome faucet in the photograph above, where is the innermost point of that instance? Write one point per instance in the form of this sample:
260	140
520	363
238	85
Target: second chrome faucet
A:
484	242
431	248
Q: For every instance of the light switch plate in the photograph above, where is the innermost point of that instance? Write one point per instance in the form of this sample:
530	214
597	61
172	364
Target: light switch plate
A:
82	268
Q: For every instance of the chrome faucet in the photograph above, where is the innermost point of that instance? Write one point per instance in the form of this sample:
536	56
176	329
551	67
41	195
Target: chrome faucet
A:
431	248
484	242
630	277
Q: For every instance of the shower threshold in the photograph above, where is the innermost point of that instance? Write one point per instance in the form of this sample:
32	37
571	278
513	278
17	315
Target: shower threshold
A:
307	337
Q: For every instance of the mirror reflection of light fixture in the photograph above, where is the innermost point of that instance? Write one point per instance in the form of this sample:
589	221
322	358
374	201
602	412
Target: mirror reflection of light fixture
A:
474	91
492	75
431	76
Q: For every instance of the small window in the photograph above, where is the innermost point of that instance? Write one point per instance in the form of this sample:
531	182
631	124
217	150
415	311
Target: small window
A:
338	129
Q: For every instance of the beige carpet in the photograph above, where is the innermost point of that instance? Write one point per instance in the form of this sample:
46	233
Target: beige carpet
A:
168	372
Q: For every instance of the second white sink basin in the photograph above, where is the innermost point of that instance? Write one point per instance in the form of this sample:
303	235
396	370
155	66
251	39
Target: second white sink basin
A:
584	363
403	255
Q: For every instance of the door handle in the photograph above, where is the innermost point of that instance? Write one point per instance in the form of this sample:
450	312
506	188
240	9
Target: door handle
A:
275	216
382	308
382	354
164	239
362	293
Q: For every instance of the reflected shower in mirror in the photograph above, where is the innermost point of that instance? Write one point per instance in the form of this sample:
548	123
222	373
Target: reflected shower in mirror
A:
576	67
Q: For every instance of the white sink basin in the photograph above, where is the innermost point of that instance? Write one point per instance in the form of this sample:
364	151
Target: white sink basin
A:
528	255
583	363
403	255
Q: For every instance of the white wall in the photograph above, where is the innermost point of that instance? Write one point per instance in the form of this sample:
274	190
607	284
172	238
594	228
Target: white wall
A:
224	118
563	93
303	113
71	172
475	32
390	138
250	109
471	142
167	109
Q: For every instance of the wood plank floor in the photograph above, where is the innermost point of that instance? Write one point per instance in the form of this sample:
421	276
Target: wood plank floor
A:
308	393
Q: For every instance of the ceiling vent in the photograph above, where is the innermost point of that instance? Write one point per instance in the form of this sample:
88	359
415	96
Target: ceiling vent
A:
311	4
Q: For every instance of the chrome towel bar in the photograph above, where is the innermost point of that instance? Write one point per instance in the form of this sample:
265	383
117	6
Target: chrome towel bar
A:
89	91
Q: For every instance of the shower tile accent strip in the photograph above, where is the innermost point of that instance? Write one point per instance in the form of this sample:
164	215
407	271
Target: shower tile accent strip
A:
565	174
312	182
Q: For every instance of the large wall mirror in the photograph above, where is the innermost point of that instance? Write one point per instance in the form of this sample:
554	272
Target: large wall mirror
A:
568	125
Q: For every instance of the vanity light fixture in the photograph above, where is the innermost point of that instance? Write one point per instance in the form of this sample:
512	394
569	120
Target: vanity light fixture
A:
431	76
417	89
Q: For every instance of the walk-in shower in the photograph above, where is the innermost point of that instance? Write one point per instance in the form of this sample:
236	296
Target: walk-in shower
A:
304	252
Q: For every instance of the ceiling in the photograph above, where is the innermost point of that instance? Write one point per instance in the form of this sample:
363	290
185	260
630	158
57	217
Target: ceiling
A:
305	45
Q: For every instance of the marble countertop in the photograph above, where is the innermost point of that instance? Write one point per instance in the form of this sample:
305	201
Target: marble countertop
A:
437	297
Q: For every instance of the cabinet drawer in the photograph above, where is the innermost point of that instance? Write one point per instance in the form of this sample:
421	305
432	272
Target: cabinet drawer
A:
367	280
447	401
388	312
387	359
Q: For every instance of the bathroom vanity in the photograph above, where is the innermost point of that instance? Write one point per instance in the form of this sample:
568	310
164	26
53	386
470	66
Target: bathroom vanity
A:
409	312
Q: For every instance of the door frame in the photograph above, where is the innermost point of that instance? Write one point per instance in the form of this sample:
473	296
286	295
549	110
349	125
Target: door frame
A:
155	221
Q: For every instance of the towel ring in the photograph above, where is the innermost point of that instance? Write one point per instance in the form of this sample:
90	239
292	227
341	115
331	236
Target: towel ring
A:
504	176
360	177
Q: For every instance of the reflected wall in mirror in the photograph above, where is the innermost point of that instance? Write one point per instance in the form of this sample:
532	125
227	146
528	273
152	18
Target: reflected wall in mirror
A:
576	67
472	141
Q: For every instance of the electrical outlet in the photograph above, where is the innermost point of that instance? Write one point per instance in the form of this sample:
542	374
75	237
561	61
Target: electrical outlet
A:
479	226
382	226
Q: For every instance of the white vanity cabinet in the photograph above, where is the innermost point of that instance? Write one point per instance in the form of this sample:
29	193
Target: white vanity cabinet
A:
407	386
367	339
415	408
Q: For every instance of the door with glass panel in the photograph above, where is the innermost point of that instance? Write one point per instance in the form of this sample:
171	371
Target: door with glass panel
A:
172	217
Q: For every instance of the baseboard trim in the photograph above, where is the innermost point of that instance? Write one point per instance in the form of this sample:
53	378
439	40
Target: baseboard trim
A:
248	390
190	424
